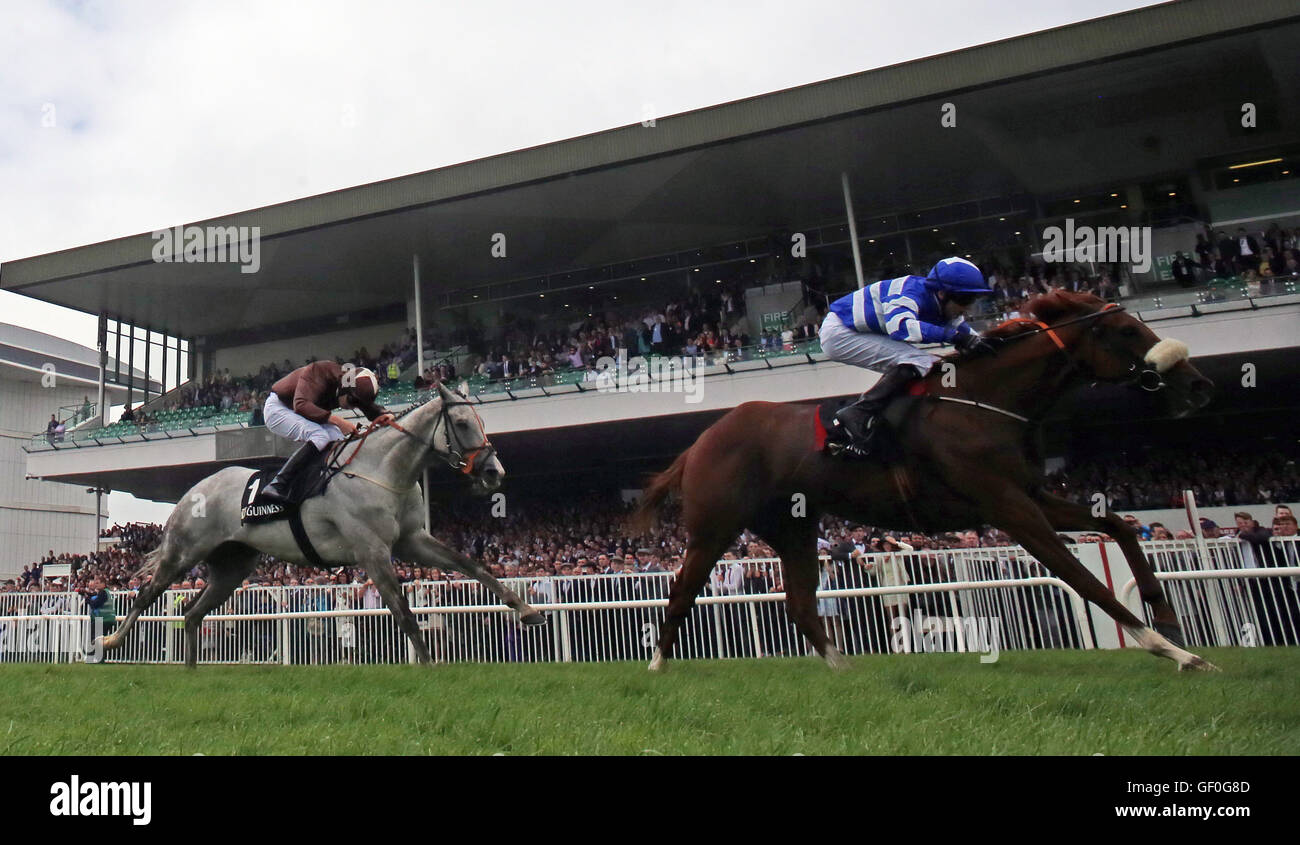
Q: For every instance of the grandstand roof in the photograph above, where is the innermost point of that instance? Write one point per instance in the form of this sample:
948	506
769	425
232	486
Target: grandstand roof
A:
1106	99
24	352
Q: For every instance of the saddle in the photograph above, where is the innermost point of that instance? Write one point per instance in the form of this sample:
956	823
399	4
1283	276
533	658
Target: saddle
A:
312	481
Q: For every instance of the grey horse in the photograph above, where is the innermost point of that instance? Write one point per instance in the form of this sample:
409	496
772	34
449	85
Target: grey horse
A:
370	513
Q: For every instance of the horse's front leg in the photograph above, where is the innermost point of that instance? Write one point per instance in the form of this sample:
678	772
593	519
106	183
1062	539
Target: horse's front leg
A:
379	567
1020	516
420	547
1066	515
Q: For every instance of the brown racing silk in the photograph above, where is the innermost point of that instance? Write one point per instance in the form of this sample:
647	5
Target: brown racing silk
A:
313	392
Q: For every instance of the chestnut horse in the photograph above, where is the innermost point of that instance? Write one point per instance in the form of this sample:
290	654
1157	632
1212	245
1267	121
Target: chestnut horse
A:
964	459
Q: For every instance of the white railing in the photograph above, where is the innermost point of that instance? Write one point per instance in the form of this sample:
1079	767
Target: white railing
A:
1234	595
967	600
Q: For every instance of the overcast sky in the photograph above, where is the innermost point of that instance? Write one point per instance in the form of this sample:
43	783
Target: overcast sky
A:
127	117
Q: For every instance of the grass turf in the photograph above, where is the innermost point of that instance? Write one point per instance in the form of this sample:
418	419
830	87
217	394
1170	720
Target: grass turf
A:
1069	702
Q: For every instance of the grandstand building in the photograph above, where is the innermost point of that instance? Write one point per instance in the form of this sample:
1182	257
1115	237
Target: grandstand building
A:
1133	120
41	377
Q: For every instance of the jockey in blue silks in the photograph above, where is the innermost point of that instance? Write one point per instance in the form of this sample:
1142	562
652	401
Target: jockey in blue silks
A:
875	326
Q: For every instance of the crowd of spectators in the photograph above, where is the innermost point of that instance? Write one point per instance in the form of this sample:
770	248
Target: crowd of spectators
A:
698	324
1158	478
1011	291
115	565
582	535
1254	257
226	392
586	534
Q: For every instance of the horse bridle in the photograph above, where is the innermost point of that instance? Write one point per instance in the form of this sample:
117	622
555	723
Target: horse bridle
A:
457	456
1140	374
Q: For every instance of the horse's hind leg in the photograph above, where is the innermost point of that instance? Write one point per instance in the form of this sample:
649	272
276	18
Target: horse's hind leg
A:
795	541
381	572
170	563
228	566
1066	515
701	555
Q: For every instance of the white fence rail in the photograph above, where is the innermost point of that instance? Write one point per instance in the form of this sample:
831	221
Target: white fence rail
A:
968	600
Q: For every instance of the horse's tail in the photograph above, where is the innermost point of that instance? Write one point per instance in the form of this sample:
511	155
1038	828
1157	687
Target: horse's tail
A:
661	486
151	562
154	559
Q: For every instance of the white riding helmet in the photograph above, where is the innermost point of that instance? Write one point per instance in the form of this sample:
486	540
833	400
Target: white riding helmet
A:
360	382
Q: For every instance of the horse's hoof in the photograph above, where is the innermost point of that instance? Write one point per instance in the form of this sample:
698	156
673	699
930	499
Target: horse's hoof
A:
1198	664
1171	631
836	660
657	663
532	619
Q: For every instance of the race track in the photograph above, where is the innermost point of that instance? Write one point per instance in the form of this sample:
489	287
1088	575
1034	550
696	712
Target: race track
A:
1052	702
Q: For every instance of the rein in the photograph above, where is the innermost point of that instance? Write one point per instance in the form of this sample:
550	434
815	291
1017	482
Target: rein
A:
1147	378
456	456
1051	330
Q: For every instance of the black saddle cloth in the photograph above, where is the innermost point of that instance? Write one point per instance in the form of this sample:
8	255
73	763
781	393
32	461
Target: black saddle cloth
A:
312	481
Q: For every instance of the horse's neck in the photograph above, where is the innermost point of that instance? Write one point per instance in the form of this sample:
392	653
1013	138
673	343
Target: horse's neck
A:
1028	381
394	458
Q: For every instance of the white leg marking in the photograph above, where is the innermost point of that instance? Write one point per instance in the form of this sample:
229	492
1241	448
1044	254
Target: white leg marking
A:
1161	647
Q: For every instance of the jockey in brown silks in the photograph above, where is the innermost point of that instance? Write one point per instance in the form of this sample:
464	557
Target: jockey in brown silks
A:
300	407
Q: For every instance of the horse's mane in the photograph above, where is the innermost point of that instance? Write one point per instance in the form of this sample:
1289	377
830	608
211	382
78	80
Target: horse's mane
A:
418	403
1047	308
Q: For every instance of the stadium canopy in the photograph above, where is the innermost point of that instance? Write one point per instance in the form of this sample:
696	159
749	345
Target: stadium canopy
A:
27	355
1101	103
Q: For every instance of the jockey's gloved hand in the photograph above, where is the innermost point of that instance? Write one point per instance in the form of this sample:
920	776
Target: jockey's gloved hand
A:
972	343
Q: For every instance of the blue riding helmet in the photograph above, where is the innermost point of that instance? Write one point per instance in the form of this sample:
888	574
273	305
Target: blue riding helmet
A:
957	275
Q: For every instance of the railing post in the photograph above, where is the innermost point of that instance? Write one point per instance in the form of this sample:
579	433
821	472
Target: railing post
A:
960	632
1081	619
285	643
169	606
566	652
1216	599
717	631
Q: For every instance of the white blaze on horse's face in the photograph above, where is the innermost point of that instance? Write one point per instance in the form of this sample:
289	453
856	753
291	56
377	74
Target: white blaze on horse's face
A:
1166	355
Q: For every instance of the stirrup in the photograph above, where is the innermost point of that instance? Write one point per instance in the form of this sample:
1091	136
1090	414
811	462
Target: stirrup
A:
855	450
858	447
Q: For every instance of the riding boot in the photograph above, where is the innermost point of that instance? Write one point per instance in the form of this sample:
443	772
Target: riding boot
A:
277	492
858	420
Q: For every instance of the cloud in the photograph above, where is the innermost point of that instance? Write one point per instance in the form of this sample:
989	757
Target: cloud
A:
169	113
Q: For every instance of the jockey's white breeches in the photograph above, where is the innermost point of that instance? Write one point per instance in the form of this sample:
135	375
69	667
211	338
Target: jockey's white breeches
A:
282	420
870	351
